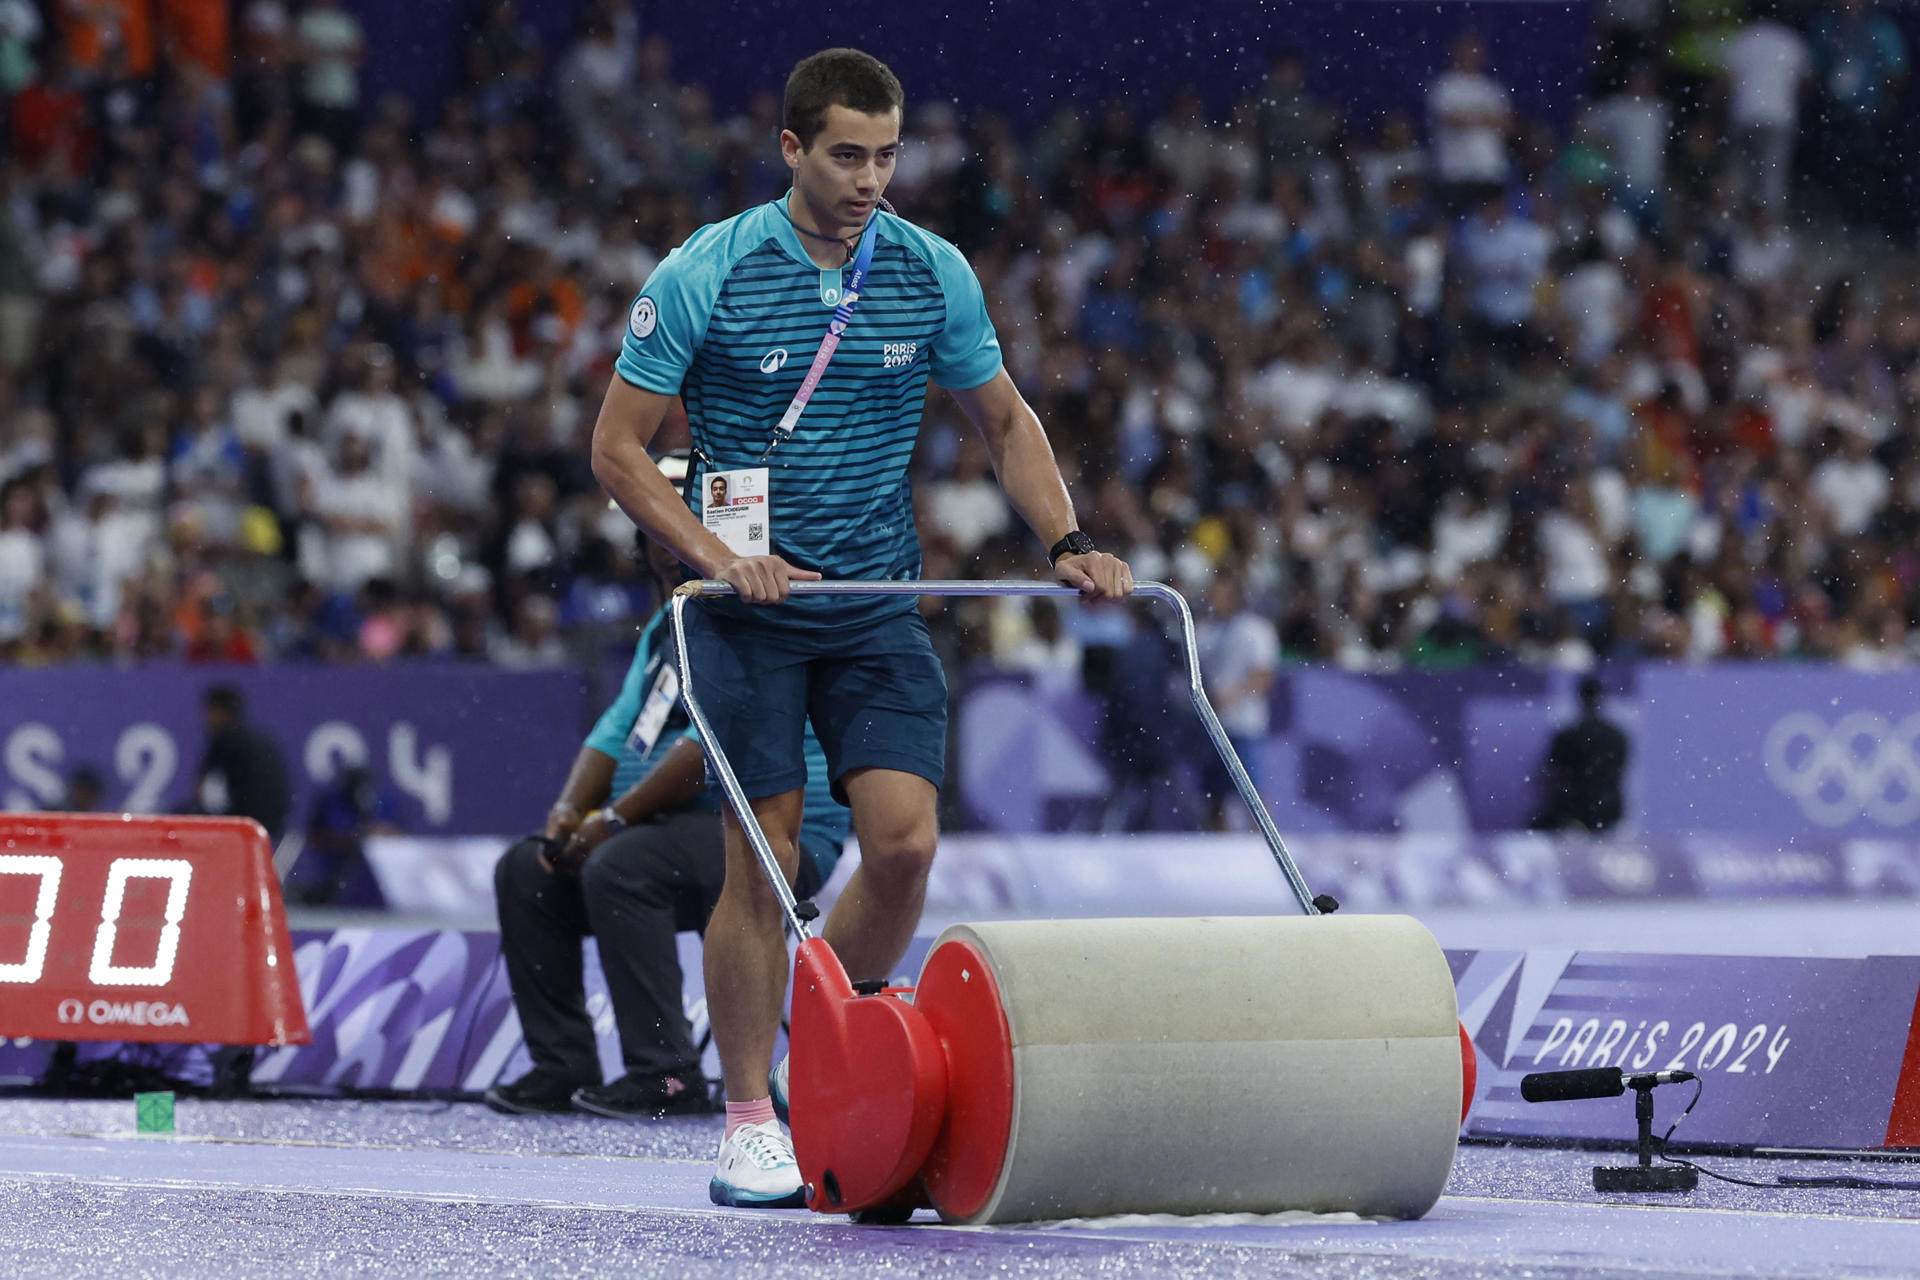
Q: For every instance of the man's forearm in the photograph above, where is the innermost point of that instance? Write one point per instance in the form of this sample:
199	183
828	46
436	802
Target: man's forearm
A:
629	418
588	782
649	499
672	784
1029	475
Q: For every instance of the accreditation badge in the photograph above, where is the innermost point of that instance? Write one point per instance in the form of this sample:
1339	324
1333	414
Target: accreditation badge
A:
737	508
655	710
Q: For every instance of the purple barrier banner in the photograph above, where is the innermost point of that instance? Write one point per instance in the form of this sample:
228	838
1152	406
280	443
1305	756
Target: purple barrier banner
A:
1795	752
392	1010
1798	755
1786	761
1790	1052
462	750
397	1009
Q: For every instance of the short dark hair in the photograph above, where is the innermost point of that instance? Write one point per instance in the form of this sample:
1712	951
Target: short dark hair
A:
1591	691
837	78
225	699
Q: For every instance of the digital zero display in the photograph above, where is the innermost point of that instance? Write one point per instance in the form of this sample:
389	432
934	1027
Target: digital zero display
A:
117	927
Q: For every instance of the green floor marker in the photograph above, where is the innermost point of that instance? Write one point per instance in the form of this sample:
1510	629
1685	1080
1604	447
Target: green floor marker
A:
154	1112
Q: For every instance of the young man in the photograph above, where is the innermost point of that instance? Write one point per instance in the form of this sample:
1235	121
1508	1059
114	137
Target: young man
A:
737	322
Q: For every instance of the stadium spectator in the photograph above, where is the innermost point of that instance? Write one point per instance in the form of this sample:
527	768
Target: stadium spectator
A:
23	556
1048	650
332	869
329	46
1468	118
1503	259
355	508
1635	123
1581	774
241	774
1265	343
534	642
1768	65
1239	658
86	790
1852	485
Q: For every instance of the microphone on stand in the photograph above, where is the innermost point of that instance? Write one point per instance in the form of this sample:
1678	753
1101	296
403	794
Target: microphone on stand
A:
1611	1082
1593	1082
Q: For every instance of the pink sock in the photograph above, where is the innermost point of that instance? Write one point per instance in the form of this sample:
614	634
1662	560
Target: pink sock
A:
759	1111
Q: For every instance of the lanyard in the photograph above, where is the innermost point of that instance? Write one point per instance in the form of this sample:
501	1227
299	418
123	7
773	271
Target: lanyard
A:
862	259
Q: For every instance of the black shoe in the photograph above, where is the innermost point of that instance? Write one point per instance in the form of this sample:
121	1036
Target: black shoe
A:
637	1097
536	1093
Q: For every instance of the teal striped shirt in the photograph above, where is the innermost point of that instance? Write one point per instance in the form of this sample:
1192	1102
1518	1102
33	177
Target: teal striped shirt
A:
730	322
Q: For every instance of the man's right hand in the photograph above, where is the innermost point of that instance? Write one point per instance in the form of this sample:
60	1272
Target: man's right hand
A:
562	821
763	579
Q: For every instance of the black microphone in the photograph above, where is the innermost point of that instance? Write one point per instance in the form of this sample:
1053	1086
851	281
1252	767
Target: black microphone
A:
1594	1082
1565	1086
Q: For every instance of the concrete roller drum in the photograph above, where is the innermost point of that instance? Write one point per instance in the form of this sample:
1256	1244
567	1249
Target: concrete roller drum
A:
1241	1065
1084	1068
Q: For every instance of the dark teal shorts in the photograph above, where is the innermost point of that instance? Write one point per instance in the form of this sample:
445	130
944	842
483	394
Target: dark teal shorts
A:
875	692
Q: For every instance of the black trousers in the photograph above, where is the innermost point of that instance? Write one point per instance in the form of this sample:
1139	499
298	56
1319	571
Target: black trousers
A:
635	893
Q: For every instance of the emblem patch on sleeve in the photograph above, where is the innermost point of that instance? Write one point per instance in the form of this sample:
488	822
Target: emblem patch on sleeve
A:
643	317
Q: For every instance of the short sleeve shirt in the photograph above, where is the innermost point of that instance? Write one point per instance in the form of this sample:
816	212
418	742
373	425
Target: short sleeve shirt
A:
730	321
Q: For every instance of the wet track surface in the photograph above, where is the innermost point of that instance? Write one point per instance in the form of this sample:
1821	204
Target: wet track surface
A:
387	1188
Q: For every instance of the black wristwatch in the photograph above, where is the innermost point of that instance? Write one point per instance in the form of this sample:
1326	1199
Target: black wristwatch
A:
1076	543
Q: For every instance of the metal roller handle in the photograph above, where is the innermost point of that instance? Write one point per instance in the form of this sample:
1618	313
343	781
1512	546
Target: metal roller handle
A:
730	783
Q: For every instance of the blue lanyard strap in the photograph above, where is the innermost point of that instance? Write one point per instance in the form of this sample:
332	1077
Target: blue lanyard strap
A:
862	259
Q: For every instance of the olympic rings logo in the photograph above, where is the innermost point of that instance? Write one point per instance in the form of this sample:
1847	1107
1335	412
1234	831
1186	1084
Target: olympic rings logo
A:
1863	766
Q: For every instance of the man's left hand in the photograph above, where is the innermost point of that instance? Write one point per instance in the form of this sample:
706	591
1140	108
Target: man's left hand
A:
1096	575
592	834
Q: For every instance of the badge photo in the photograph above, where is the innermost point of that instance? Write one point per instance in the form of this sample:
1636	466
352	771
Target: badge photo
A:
734	507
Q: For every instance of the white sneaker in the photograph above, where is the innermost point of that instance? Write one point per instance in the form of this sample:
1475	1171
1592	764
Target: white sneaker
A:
777	1086
757	1170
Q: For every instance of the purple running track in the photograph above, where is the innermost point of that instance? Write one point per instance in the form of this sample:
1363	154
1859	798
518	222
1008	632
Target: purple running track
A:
358	1188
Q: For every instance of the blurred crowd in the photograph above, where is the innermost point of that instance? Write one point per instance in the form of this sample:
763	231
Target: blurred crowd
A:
290	374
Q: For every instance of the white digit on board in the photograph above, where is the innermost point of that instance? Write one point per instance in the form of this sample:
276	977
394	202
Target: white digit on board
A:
33	754
48	869
103	971
429	781
146	757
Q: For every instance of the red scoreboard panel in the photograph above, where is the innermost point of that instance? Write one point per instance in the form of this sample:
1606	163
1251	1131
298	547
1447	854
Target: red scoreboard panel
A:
117	927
